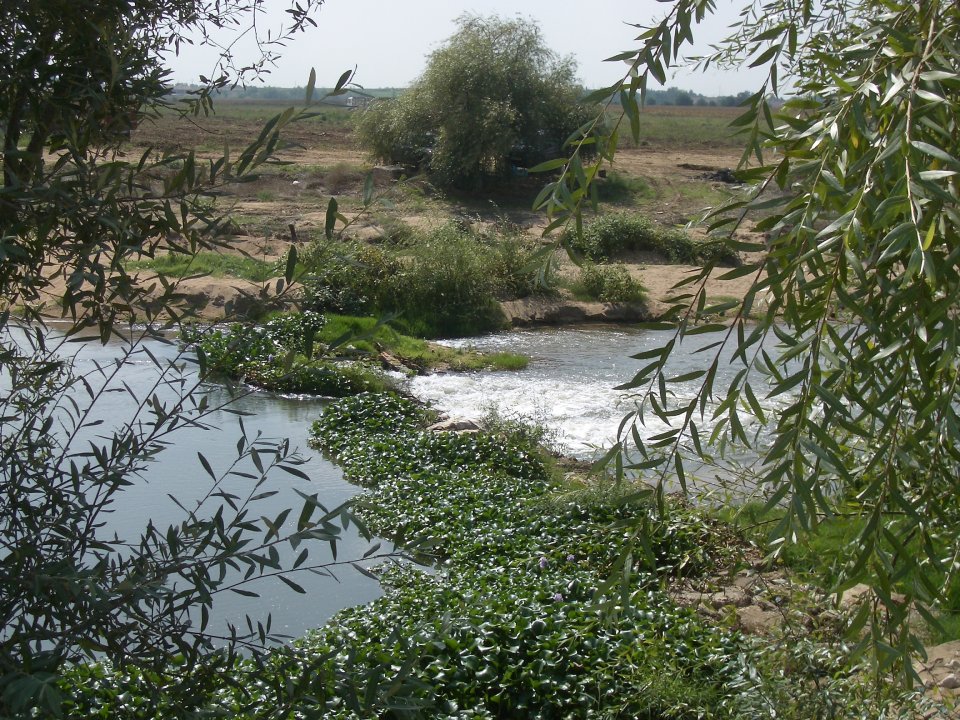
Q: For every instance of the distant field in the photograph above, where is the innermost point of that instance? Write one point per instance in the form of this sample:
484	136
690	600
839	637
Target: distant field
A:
239	121
682	126
679	127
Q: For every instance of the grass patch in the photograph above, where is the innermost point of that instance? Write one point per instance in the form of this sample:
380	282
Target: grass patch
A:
218	265
620	189
669	126
371	338
609	284
704	194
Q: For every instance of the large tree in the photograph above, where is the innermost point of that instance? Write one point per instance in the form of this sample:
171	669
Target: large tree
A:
493	96
847	344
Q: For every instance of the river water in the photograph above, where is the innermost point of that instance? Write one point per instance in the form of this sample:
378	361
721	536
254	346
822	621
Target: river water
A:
178	473
569	383
568	387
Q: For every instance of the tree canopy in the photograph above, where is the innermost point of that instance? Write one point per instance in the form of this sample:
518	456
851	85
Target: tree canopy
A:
494	96
847	344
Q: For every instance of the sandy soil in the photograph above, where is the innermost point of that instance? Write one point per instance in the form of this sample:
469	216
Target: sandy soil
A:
325	162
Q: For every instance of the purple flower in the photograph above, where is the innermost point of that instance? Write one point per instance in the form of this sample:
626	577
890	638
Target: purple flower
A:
558	597
570	558
543	562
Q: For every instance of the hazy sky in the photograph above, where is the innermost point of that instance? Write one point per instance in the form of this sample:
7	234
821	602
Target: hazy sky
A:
389	40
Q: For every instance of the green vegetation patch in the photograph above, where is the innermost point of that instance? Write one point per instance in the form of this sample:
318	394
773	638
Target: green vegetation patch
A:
444	283
370	336
508	627
283	355
609	283
622	189
214	264
613	234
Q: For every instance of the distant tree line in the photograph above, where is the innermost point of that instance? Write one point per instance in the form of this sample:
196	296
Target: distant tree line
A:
288	94
667	96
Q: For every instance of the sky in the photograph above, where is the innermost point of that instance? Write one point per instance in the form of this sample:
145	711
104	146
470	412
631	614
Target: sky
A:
388	41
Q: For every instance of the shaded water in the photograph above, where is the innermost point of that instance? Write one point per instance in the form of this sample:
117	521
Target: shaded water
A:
178	473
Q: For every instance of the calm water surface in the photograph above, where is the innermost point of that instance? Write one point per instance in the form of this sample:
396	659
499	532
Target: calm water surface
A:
178	473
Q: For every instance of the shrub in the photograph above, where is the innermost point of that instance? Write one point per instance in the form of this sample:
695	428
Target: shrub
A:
448	290
518	265
612	234
610	283
348	280
445	284
492	97
280	356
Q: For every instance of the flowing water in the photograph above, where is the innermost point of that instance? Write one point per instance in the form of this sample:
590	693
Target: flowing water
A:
569	384
568	387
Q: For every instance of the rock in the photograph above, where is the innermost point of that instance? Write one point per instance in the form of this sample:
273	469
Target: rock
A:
708	613
950	682
549	311
389	362
688	598
747	580
730	596
755	620
455	425
852	597
860	593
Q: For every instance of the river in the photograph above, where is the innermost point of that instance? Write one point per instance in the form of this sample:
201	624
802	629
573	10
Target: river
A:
178	473
568	387
569	383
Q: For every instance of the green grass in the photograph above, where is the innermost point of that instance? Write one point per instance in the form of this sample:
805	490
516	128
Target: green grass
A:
688	126
620	189
610	235
371	338
608	283
704	194
257	110
208	263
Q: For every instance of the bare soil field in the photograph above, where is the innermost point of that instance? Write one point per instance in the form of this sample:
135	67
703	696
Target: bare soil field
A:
673	175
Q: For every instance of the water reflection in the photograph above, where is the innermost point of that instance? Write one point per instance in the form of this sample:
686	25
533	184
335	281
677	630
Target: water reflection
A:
177	476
